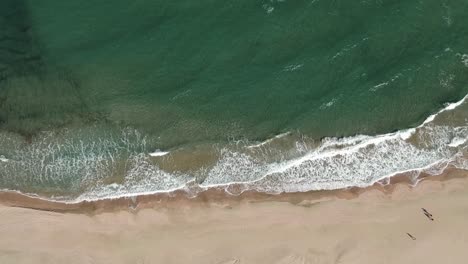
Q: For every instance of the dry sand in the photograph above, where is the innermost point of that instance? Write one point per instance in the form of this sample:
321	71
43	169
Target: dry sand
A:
368	229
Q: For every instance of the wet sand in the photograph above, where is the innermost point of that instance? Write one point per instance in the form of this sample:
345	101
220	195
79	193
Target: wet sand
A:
360	226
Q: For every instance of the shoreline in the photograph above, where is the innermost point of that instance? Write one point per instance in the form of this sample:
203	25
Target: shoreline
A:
219	196
354	226
177	182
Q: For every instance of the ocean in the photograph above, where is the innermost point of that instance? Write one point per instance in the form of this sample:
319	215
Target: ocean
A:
106	99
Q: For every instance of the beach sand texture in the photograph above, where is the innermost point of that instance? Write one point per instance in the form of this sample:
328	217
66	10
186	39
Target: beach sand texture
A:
371	228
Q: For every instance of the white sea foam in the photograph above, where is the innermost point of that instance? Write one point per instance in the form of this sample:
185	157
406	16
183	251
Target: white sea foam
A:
292	67
383	84
268	8
448	107
378	86
464	58
143	178
269	140
182	94
158	153
457	141
335	163
348	48
354	161
407	133
328	104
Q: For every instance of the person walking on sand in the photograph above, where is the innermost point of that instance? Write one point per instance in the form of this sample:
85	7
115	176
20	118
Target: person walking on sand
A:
427	214
412	237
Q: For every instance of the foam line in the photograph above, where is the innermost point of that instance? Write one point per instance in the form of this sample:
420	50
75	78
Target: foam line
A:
158	153
331	159
269	140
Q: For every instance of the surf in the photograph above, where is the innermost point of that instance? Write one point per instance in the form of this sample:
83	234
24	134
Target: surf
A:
285	163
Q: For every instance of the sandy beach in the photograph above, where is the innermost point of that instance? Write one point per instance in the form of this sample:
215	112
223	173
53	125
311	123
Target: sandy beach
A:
233	132
370	228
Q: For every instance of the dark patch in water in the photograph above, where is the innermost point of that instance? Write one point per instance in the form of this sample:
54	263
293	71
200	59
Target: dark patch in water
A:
19	53
33	96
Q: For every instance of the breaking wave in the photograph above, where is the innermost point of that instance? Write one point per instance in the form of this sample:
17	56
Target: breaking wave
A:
63	166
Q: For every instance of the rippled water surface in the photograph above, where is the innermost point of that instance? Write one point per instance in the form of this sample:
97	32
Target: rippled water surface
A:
114	98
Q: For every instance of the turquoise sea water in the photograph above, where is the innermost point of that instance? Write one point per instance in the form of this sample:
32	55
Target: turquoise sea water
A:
88	90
